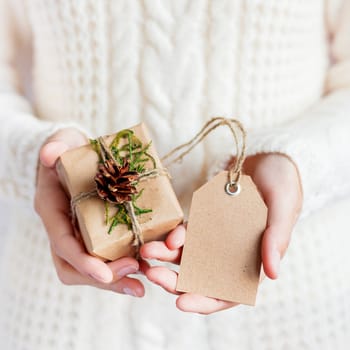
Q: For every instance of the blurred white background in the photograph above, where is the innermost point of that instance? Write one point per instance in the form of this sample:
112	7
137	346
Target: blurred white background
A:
4	214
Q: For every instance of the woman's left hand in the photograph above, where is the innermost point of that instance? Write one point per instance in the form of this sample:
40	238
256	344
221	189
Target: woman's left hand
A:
278	181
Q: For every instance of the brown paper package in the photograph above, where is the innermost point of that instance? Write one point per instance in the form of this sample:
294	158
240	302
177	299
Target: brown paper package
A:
76	170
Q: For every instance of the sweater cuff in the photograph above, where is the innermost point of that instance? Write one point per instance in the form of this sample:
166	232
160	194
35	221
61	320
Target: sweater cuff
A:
281	140
26	143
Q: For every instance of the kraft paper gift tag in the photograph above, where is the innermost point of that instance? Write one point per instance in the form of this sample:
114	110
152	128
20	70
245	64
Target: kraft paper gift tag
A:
221	256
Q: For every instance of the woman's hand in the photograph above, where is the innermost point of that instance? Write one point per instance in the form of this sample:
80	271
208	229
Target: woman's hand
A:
73	265
278	181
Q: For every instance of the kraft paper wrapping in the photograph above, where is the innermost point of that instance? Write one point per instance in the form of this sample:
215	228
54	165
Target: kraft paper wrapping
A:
76	170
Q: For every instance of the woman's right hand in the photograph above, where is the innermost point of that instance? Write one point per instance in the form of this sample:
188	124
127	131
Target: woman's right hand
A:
74	266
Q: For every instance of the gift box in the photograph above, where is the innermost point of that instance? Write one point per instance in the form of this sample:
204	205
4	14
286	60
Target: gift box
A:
105	226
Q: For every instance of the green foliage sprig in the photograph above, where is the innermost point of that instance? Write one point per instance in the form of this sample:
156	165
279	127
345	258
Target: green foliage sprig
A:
126	146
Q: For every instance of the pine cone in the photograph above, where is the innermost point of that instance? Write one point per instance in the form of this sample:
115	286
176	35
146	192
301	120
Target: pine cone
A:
114	182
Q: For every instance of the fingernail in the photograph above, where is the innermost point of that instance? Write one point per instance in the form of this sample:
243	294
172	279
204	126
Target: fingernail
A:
100	278
126	270
129	291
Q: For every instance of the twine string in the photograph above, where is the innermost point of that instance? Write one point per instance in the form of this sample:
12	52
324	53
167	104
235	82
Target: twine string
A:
136	228
78	198
235	169
105	152
175	155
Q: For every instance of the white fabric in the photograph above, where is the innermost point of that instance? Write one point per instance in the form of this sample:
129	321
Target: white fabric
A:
281	67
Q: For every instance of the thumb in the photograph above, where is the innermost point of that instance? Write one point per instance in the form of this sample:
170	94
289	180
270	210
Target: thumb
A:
51	151
277	235
59	143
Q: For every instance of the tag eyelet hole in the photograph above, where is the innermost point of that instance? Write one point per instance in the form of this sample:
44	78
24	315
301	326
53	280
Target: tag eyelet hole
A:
232	188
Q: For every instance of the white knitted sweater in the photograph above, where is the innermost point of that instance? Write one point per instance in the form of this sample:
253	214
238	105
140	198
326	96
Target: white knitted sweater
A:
282	67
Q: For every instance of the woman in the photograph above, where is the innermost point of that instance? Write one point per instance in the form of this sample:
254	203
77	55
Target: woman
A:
281	67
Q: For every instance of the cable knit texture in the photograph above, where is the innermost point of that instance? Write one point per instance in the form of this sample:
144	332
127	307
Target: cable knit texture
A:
281	67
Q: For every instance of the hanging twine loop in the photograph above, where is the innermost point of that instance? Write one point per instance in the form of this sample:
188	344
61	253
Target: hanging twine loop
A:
235	169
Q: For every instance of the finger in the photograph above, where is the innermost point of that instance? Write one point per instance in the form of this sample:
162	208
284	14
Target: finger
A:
168	251
50	152
189	302
277	234
123	267
159	251
69	276
66	246
69	249
60	142
163	277
72	251
176	238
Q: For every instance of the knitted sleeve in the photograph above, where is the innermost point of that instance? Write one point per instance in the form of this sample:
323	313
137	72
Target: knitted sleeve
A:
318	140
21	133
